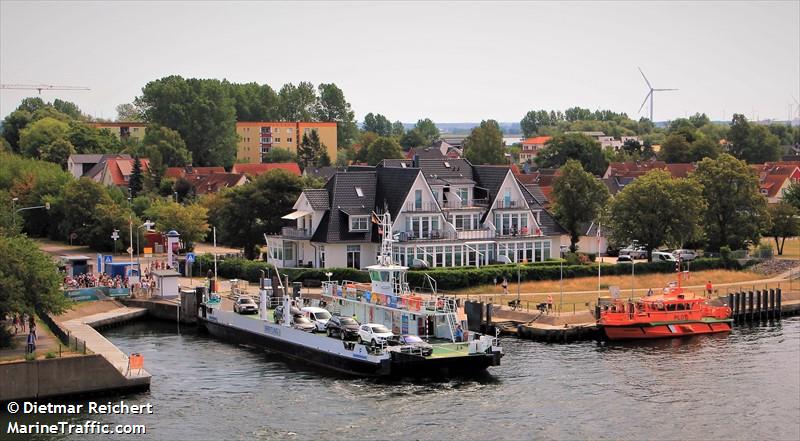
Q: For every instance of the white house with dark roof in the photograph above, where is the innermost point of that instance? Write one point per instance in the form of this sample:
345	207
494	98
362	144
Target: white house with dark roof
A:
445	212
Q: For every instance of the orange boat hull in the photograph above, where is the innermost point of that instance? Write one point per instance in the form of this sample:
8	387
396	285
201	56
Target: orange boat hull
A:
646	331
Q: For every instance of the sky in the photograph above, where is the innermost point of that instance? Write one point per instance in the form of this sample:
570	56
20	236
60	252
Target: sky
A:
448	61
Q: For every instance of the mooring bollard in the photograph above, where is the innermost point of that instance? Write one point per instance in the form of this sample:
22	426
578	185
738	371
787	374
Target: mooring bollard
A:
765	304
778	303
737	305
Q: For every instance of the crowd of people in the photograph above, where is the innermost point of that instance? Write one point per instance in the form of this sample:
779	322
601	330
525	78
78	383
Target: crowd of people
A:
94	281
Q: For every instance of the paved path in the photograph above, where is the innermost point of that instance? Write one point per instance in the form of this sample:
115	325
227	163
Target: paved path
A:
45	342
82	329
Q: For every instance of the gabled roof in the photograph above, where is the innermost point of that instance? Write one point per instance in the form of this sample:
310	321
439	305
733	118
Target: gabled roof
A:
114	170
318	198
547	222
85	158
215	182
260	169
394	184
490	177
341	188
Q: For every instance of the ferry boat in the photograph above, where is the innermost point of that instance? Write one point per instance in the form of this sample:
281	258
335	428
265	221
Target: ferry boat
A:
674	313
387	301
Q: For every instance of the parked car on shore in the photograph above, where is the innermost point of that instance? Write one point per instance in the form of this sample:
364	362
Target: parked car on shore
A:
624	258
662	256
373	334
245	305
685	255
634	252
345	328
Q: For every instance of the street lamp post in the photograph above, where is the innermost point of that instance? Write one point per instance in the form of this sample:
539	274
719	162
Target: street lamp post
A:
561	278
147	225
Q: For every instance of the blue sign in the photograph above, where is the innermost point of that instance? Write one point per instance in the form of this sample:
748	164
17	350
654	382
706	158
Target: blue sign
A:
190	257
108	259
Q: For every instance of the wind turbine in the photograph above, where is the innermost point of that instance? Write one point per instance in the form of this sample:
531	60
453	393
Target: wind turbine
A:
650	95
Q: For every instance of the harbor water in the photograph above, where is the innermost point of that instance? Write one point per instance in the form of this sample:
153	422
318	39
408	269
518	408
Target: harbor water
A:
745	385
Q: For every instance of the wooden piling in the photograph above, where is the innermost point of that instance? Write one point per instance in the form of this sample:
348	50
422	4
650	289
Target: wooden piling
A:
758	306
771	314
765	305
749	313
778	303
738	311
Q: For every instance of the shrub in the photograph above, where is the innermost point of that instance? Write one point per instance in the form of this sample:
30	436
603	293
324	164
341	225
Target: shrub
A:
31	356
50	354
5	337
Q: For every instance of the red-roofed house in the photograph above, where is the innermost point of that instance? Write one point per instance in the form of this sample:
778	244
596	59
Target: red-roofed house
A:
115	171
774	178
620	174
214	182
531	147
188	171
254	170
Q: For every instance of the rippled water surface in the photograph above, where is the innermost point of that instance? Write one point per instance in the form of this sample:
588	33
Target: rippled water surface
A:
745	385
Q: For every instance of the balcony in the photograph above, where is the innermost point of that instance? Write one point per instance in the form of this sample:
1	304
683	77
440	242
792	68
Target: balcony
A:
460	205
512	204
407	236
423	207
523	232
296	233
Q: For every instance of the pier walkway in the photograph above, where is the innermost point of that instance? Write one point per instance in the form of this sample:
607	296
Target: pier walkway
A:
83	328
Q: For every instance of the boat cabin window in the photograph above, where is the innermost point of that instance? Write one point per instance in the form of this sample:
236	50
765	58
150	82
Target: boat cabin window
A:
670	307
680	306
379	276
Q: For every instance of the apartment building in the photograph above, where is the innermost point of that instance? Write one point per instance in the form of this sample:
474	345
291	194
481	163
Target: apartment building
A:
445	213
258	138
531	147
123	130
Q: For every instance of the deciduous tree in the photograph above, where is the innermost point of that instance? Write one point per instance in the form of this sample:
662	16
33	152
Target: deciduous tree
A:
190	220
736	211
484	145
578	198
675	150
782	223
383	148
573	146
428	130
38	134
243	222
200	110
657	209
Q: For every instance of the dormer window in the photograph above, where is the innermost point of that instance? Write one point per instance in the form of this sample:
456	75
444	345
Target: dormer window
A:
359	223
359	192
446	164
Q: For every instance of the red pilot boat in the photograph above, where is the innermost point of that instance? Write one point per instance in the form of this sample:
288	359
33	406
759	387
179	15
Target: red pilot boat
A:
675	313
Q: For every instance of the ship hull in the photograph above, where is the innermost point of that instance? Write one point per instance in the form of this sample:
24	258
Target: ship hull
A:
397	365
643	331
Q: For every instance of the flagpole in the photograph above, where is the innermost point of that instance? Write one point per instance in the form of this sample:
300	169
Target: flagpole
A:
601	258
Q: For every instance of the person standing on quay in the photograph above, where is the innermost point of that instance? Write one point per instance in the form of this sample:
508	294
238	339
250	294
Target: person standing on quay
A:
505	286
709	288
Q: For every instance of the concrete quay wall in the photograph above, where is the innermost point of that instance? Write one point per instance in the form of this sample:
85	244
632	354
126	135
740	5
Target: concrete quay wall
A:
57	377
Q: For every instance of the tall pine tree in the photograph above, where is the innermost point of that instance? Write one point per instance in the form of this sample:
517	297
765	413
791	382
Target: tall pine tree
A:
136	182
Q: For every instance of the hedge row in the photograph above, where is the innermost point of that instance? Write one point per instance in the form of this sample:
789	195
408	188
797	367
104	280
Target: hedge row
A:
450	278
447	279
250	270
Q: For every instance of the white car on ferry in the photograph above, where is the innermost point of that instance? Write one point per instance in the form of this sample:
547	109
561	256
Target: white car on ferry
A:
318	316
373	334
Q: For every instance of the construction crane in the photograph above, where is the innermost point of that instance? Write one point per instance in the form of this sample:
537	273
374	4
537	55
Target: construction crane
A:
41	87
